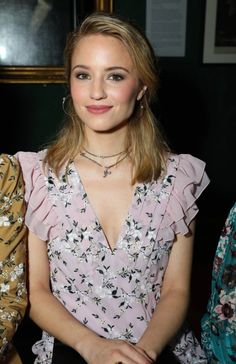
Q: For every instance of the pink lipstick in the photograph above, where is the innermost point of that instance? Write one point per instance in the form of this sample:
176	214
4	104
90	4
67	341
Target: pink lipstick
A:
98	109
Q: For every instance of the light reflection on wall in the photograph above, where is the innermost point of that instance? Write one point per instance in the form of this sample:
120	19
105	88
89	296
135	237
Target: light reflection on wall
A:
33	32
3	53
15	37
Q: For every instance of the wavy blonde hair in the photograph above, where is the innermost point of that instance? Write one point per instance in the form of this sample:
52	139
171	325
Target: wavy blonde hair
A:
144	139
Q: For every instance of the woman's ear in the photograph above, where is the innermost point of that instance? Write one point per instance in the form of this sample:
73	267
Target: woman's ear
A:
141	93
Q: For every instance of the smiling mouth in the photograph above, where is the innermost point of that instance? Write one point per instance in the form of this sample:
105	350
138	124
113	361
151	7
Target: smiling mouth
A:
98	109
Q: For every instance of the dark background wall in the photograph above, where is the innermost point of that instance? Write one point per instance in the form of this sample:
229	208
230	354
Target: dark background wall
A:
197	109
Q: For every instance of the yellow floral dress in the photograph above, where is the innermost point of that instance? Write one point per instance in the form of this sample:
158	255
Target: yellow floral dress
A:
13	234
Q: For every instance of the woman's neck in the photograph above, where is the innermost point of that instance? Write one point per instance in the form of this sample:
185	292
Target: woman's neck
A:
105	143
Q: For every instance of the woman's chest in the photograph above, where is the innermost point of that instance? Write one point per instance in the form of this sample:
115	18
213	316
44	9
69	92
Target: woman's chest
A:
131	220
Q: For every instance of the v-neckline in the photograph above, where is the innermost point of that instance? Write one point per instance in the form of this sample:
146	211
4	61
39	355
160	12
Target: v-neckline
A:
132	201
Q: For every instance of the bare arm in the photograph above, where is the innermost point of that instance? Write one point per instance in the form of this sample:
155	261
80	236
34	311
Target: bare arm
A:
173	304
52	316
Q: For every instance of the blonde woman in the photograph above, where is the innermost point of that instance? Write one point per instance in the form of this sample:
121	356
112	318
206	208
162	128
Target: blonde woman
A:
13	234
111	212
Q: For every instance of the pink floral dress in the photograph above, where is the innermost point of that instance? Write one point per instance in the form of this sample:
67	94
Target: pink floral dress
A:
113	292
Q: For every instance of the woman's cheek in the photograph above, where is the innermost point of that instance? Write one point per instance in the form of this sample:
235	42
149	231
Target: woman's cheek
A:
125	93
78	93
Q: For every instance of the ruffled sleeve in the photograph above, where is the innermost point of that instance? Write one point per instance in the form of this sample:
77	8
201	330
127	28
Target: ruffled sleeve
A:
189	181
41	216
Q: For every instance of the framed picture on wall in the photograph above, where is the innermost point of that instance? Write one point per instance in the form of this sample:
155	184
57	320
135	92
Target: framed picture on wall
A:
220	32
33	36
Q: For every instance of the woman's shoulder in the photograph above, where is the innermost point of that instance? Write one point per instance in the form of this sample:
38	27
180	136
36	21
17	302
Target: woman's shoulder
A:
12	207
185	161
41	216
187	169
182	184
31	164
189	176
30	158
9	163
9	171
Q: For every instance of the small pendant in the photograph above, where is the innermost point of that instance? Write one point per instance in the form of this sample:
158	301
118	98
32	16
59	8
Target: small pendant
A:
106	172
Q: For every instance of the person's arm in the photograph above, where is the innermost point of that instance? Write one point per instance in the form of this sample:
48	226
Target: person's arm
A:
49	314
172	307
13	235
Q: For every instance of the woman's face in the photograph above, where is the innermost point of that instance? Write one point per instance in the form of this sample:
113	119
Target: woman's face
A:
104	83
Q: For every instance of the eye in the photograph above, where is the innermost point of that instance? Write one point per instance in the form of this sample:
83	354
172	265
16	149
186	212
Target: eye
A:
82	76
116	77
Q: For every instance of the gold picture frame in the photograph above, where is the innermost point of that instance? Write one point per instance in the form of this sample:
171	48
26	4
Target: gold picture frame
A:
51	72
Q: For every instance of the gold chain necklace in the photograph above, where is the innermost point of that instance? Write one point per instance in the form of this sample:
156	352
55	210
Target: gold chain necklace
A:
106	171
104	156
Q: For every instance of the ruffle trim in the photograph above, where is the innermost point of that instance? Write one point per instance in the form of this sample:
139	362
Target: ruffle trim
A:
44	349
41	217
190	180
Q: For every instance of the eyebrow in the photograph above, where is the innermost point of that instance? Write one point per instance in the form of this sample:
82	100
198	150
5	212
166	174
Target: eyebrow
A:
113	68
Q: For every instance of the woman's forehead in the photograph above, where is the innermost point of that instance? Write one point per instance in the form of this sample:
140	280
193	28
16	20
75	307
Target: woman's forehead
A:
95	46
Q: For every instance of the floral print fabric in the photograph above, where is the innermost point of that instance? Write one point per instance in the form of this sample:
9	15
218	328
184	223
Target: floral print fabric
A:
13	236
219	323
113	292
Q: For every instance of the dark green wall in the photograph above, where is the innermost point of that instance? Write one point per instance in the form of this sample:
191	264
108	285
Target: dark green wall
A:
32	113
197	108
133	10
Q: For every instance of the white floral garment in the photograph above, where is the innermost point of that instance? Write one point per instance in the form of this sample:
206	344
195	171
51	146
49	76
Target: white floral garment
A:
113	292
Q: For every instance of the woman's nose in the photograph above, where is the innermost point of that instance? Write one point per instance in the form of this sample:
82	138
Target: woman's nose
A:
97	90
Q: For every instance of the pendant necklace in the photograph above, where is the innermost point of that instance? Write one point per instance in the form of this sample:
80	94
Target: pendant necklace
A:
107	169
